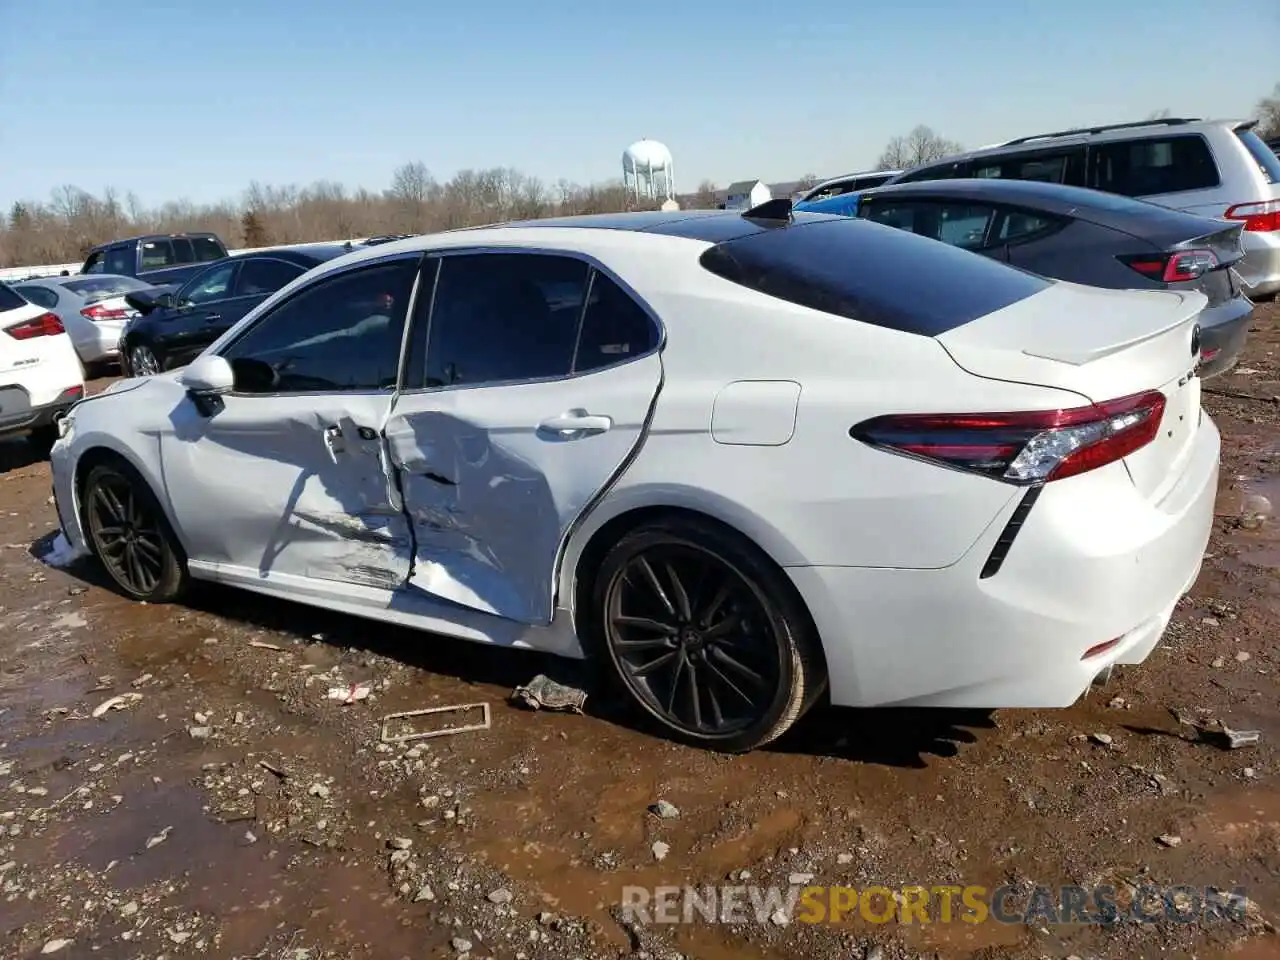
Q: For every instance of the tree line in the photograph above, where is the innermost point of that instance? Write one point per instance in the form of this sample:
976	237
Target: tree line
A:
63	228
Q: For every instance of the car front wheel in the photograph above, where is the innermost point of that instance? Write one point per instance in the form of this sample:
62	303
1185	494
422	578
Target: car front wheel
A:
131	536
143	361
706	634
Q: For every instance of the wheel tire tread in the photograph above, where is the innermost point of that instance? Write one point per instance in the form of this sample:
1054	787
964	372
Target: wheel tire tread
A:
175	578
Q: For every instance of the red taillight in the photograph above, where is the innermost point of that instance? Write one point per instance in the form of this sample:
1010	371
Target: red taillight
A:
1173	267
45	325
1257	217
1023	448
99	312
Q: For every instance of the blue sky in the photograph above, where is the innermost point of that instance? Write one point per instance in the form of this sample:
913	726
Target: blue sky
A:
186	99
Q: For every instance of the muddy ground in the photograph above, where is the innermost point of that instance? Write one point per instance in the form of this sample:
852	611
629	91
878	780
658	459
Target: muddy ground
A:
229	808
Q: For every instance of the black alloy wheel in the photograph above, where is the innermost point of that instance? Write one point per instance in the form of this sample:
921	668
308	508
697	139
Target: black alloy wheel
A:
706	635
131	536
143	361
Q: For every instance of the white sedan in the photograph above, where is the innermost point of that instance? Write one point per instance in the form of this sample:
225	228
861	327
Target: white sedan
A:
743	460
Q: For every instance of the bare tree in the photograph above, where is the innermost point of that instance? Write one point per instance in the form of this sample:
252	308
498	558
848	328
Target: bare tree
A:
706	196
1269	114
807	182
919	146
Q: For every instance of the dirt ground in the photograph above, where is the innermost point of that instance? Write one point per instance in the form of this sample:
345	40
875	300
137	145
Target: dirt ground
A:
230	808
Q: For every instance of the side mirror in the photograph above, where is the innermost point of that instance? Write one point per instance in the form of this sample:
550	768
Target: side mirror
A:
145	302
208	376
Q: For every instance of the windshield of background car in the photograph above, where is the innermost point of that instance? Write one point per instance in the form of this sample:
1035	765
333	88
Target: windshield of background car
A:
1267	160
10	300
875	274
842	204
101	288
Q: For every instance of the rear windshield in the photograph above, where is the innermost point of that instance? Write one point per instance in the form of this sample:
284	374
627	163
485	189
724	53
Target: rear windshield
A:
100	288
207	249
10	300
1267	160
875	274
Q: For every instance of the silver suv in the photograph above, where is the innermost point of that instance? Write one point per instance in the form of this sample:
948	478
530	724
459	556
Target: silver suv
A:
1214	168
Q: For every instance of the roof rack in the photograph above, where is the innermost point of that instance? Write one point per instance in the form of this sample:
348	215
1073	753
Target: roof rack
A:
778	209
1163	121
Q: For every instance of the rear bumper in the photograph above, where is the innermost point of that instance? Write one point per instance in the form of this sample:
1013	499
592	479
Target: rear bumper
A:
1093	563
1223	331
99	342
1260	269
17	415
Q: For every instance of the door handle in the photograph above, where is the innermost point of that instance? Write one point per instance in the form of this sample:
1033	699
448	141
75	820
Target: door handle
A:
211	317
334	441
573	424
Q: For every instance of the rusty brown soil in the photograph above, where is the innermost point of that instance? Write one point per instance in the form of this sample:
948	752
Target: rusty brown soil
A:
229	808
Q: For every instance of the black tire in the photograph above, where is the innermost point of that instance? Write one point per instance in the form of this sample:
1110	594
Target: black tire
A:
722	653
130	535
42	440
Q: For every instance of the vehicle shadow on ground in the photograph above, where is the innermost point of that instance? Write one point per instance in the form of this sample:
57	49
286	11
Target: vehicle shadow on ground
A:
17	453
892	737
886	737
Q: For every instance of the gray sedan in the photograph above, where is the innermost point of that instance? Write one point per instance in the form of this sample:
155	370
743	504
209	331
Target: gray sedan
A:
92	308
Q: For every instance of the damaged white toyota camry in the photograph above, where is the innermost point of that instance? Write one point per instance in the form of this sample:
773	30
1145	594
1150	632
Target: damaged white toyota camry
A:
743	460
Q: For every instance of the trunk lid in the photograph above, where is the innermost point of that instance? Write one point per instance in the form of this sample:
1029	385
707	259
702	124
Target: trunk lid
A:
1100	345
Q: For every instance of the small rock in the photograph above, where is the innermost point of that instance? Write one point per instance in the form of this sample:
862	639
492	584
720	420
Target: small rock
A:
426	893
779	918
180	936
1168	840
53	946
318	790
1209	621
1217	663
660	850
202	718
399	843
875	953
1103	738
461	944
1117	703
500	896
799	879
199	733
664	810
546	918
129	909
250	837
1249	773
159	838
844	859
1243	656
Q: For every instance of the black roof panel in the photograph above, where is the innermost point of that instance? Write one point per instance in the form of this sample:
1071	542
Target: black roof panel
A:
711	226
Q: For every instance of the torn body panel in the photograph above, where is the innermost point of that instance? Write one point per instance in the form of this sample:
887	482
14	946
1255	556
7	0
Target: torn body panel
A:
289	485
493	478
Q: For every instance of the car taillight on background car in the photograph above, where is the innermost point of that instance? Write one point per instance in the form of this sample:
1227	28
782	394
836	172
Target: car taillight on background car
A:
1173	267
1257	217
45	325
99	312
1022	448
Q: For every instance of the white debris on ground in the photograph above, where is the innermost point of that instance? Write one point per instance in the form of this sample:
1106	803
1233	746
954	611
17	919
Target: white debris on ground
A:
60	553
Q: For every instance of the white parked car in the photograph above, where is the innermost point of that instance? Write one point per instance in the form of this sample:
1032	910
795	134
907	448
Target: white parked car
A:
741	459
93	310
40	374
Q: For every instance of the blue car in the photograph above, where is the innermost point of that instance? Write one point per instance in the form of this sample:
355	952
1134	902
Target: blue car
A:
842	204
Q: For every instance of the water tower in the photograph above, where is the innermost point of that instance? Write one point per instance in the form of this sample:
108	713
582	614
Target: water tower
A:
648	172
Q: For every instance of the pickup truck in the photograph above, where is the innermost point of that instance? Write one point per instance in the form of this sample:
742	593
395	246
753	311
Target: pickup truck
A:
161	260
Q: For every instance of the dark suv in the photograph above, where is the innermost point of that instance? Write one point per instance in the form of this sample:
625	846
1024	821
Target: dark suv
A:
159	259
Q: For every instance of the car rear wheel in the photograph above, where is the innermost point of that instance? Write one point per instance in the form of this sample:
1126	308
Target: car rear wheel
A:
706	635
131	536
142	361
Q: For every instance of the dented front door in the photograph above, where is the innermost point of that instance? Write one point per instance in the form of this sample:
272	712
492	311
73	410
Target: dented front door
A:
494	477
289	485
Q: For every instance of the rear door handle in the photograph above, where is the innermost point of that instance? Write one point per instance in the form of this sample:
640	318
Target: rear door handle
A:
334	441
210	317
573	424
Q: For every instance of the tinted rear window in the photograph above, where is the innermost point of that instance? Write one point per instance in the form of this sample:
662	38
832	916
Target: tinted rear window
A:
875	274
99	288
1266	157
10	300
207	249
1146	168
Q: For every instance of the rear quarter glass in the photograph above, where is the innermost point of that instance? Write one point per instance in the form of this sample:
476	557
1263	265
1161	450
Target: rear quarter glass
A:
10	300
871	273
1266	158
